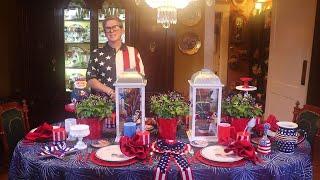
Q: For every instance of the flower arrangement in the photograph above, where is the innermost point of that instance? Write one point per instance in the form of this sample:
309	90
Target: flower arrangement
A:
241	106
169	105
94	106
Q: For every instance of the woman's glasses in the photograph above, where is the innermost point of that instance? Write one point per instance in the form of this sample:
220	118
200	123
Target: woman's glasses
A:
112	28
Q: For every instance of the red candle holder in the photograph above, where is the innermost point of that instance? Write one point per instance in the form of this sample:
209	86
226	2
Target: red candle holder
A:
245	81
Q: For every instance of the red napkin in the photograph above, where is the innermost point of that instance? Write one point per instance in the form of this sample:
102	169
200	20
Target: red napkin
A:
272	120
133	147
243	149
42	133
70	107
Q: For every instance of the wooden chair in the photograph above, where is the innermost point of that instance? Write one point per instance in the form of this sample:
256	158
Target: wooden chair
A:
308	119
14	124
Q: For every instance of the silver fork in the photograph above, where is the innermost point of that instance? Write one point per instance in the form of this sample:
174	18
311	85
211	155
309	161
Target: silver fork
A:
118	155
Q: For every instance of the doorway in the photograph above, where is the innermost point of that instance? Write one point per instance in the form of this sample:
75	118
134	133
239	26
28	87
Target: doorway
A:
249	39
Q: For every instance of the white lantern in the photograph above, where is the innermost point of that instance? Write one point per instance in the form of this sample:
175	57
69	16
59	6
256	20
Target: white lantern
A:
205	108
130	100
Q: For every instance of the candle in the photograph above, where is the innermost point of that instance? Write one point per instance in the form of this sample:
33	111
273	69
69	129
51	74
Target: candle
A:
58	134
144	137
129	129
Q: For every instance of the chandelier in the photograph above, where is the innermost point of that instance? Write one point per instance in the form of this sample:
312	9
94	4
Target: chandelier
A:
166	10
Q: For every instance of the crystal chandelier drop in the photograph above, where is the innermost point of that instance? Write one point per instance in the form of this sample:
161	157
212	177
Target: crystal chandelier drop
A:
167	10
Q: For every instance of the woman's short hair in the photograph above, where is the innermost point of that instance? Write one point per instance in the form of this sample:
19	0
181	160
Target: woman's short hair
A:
109	18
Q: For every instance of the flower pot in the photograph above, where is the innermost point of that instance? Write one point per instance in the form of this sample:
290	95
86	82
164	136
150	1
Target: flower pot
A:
95	126
167	128
239	125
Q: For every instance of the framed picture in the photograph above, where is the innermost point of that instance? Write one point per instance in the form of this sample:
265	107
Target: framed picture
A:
238	28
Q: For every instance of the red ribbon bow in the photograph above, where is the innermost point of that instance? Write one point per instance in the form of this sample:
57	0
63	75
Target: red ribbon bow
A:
243	149
133	147
272	120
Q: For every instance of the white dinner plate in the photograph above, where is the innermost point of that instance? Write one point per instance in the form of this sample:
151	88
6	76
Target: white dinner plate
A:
54	127
112	153
216	153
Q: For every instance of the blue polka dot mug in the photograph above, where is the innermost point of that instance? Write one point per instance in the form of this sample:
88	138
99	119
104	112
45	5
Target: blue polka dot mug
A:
287	136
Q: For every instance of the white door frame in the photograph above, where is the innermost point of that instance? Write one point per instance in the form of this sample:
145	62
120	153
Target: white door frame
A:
224	9
209	40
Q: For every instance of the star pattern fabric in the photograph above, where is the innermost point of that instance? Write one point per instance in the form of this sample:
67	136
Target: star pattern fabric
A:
102	66
105	63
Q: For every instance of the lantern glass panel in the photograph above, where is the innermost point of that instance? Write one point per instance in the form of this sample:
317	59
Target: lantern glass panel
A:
129	107
206	112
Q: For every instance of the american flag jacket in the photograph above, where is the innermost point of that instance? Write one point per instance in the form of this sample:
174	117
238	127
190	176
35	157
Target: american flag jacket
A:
106	63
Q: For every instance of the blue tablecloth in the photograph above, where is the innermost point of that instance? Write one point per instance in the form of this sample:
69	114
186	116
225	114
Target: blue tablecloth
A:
26	164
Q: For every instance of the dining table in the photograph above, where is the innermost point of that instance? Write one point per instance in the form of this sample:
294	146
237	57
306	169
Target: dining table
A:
26	163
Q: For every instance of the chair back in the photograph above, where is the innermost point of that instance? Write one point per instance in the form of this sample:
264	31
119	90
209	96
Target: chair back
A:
14	124
308	119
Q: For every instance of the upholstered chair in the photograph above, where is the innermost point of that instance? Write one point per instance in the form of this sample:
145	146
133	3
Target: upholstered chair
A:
14	124
308	119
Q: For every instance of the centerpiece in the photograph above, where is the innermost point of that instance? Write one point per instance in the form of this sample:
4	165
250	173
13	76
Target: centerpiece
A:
93	111
205	94
130	102
168	107
239	109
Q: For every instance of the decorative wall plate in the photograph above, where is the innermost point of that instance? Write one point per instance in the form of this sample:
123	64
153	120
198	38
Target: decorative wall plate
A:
189	43
76	33
190	16
76	57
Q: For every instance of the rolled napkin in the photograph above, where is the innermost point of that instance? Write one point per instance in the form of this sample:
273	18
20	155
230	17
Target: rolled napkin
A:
42	133
272	120
133	147
243	149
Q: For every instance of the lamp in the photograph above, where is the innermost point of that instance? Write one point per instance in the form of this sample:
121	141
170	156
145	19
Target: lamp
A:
166	10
